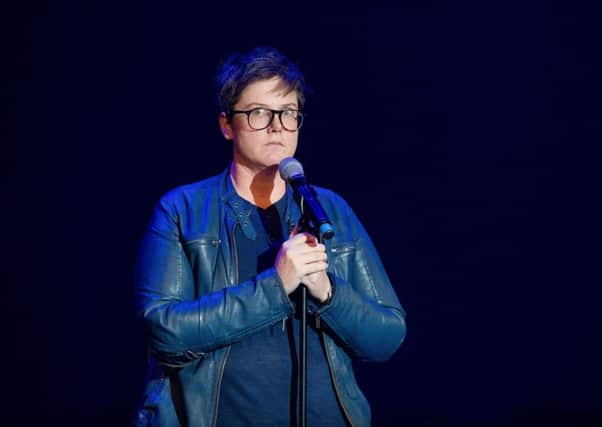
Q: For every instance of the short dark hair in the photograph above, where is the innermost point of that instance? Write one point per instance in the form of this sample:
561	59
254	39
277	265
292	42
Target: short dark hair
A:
260	63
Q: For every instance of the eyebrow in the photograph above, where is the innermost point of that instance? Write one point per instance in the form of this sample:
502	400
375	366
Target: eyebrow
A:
258	104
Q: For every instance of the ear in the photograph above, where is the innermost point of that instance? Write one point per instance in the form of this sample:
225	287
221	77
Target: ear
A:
225	126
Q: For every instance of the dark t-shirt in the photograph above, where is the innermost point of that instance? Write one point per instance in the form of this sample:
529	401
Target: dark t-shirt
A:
259	386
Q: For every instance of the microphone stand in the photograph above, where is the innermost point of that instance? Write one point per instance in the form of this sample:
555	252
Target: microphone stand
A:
304	225
303	359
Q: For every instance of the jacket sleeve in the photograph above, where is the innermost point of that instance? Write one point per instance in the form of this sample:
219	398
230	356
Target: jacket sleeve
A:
364	312
182	326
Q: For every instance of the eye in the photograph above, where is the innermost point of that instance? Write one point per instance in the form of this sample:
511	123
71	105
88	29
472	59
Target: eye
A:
289	113
259	112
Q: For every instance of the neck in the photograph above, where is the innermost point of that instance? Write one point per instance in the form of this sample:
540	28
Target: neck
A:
262	188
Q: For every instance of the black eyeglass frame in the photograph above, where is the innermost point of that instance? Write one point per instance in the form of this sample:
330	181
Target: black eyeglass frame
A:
300	117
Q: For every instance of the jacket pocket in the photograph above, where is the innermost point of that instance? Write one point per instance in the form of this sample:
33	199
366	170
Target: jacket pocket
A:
341	258
202	255
342	248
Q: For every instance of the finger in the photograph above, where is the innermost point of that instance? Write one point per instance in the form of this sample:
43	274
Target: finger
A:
302	238
314	267
318	248
293	241
312	257
301	249
309	238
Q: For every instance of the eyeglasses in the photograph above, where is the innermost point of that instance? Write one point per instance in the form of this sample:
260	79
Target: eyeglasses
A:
260	118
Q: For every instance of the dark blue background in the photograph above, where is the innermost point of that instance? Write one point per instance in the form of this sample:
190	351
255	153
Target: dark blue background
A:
463	134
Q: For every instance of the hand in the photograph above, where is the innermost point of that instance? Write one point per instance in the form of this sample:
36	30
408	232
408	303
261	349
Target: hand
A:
298	260
318	285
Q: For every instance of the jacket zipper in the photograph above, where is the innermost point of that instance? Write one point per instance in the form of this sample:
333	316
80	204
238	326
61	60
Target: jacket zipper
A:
223	364
219	386
334	382
235	254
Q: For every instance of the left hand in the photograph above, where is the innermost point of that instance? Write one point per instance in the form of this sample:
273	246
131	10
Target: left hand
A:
318	285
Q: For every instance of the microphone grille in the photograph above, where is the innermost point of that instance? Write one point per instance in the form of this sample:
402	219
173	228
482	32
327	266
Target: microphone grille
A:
290	167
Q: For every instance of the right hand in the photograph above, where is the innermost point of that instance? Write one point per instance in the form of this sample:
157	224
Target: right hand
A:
299	256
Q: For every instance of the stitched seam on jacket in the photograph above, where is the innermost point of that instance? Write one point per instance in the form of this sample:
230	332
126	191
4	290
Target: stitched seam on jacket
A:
180	273
368	273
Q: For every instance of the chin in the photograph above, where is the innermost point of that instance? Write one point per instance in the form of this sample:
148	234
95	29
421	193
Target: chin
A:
264	165
275	160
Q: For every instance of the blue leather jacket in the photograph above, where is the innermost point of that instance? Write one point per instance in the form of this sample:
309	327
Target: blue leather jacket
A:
193	306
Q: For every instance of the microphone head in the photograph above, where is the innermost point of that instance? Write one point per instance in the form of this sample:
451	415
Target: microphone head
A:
290	167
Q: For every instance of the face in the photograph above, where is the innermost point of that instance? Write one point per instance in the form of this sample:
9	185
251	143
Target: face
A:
261	149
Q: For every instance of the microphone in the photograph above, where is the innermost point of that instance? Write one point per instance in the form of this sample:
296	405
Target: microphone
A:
292	172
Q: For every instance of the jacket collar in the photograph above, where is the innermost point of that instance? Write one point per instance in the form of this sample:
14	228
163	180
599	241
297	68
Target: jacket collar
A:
236	213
